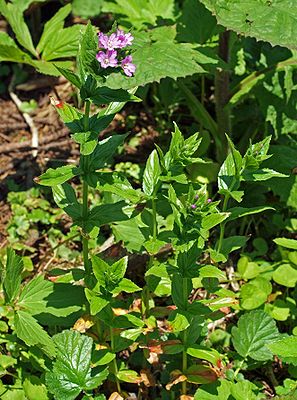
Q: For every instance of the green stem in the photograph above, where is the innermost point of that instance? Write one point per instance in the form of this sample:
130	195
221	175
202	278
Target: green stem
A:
155	226
223	224
239	368
85	205
184	359
115	365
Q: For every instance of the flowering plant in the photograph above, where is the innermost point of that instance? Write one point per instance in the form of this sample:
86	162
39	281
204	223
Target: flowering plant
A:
113	46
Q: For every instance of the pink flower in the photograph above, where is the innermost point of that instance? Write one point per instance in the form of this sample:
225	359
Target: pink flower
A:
127	66
108	59
108	42
124	39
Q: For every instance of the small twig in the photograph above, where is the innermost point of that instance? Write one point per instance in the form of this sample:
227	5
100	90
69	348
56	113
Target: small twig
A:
27	118
212	325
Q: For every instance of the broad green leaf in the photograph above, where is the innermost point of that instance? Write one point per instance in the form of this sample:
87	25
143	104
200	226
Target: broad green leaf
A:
204	353
254	331
286	349
105	95
62	44
263	20
12	275
32	297
105	150
70	116
87	8
87	50
15	18
49	68
125	285
9	50
232	243
65	197
219	390
53	177
255	293
288	243
158	56
178	293
105	214
139	13
210	271
243	390
200	374
87	140
72	372
187	28
35	389
239	212
97	302
53	26
28	330
127	375
212	220
261	175
285	275
151	174
69	75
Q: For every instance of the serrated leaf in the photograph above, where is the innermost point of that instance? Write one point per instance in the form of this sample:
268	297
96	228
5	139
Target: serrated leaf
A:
254	331
286	349
151	173
32	297
212	220
69	75
28	330
261	175
53	177
14	16
72	373
254	18
87	50
160	57
239	212
53	26
141	12
12	276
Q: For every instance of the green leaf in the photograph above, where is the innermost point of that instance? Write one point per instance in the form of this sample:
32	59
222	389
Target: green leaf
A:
14	16
87	140
105	95
9	50
288	243
127	375
53	26
151	174
97	302
141	12
105	214
62	44
187	28
261	175
87	8
87	50
255	293
285	275
254	18
239	212
157	56
13	275
212	220
53	177
65	197
69	75
32	297
34	388
179	297
286	349
204	353
105	150
28	330
72	372
210	271
254	331
219	390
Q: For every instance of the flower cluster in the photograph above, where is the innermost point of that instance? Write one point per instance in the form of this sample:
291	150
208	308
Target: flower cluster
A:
112	45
